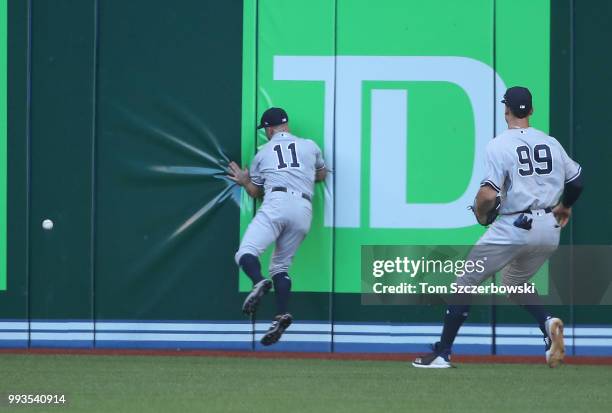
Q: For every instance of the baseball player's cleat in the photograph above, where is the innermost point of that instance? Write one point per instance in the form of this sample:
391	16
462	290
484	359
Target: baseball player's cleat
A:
252	300
555	351
547	344
437	359
276	330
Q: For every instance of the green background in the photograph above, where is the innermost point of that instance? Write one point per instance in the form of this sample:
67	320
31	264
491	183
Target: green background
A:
441	116
3	194
303	101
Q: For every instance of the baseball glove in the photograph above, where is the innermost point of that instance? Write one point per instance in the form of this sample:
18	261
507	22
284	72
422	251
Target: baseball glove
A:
491	215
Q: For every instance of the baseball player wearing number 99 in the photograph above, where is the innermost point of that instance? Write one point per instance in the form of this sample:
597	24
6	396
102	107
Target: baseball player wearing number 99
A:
531	183
283	172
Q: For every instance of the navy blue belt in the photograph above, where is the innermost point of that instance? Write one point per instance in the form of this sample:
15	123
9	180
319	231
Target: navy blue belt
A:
283	189
528	211
547	210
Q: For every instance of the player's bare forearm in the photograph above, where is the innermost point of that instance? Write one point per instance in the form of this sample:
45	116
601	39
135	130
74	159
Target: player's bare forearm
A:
571	193
562	214
253	190
320	174
485	202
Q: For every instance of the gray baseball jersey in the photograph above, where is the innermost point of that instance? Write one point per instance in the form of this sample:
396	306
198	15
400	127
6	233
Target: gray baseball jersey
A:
529	169
289	162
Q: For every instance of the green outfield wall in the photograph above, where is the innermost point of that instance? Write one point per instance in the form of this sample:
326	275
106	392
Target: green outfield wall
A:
118	119
3	167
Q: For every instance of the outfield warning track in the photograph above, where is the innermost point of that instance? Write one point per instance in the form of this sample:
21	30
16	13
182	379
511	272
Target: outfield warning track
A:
576	360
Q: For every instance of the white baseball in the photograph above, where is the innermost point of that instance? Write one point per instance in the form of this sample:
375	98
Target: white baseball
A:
47	224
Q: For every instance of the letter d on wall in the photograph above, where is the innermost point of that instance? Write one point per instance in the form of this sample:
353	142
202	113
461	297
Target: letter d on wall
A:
388	205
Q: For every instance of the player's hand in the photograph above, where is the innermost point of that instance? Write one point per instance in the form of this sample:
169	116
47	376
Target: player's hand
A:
562	214
240	176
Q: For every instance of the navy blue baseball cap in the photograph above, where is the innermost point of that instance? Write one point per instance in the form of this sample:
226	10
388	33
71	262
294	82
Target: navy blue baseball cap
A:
273	117
518	99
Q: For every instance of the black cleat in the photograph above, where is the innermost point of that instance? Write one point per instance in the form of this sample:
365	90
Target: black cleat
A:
276	330
252	300
437	359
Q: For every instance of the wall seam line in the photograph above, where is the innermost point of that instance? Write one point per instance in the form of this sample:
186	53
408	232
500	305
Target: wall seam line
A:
332	303
28	163
256	40
571	150
94	125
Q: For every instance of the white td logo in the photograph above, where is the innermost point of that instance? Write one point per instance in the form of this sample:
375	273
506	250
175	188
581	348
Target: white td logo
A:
388	207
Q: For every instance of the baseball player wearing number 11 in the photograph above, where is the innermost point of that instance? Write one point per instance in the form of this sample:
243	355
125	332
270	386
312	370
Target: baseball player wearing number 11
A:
283	172
531	183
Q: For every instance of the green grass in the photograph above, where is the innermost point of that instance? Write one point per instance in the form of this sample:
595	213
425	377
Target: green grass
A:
208	384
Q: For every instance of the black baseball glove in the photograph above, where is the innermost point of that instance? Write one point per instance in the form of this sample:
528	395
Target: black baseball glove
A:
491	215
